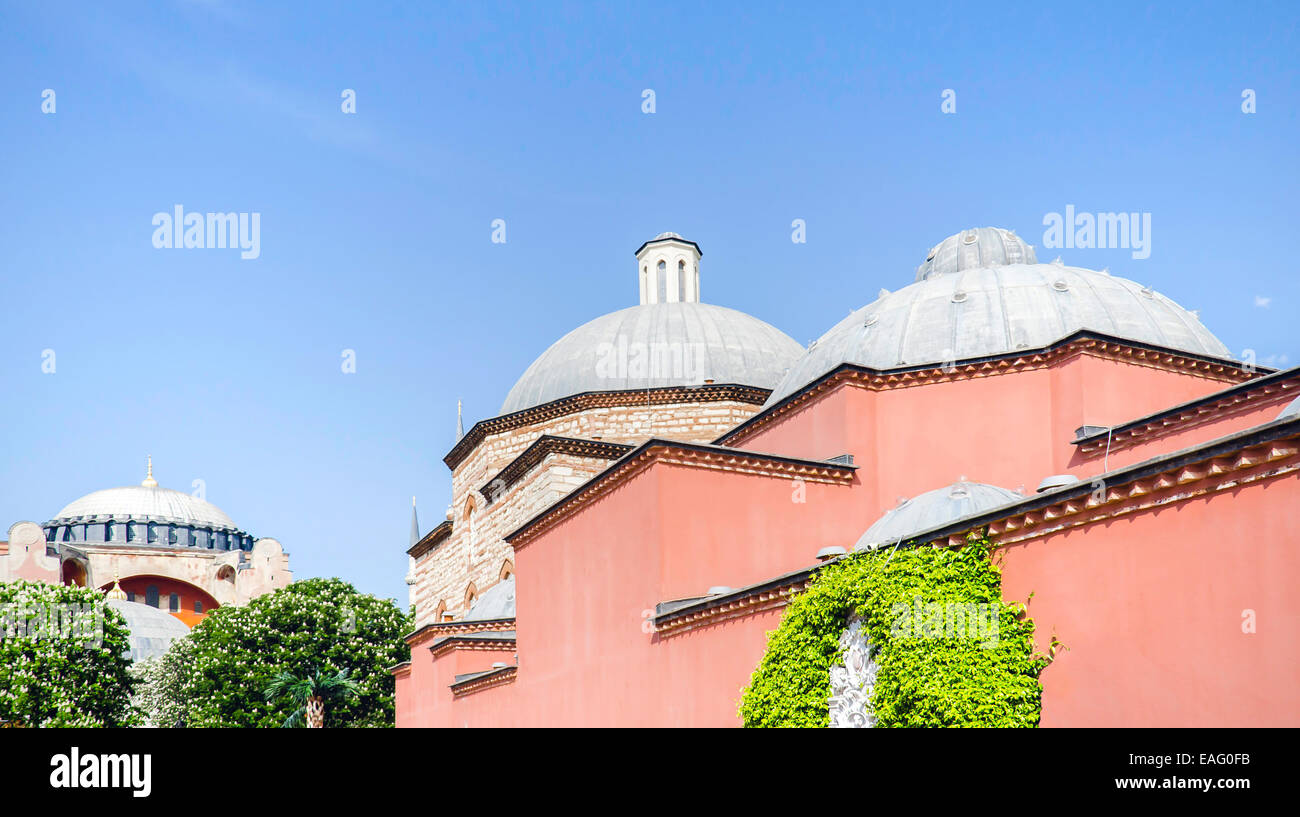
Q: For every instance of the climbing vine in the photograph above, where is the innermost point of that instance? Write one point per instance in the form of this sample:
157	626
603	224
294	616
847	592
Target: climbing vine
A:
948	650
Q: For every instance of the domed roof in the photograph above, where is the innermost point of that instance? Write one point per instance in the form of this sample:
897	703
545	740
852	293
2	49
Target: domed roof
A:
497	602
933	509
1292	410
152	630
143	502
973	249
656	345
956	311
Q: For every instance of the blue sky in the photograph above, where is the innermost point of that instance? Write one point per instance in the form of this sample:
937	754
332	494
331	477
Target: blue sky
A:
375	227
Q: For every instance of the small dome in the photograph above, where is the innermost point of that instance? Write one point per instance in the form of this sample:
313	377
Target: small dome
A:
140	502
654	346
152	630
976	249
933	509
1292	410
956	313
497	602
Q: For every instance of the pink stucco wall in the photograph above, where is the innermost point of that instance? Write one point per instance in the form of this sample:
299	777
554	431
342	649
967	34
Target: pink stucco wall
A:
1151	607
1144	603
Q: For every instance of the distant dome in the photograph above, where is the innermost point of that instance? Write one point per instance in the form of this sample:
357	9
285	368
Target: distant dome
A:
933	509
657	345
142	503
152	630
958	312
497	602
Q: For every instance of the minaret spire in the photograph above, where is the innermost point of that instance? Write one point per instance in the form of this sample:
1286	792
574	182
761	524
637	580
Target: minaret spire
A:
415	524
149	481
460	423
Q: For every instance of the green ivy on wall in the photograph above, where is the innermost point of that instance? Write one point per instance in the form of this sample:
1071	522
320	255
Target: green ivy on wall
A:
933	668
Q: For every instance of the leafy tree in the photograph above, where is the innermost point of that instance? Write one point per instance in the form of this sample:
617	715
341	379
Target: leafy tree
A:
939	678
316	625
64	657
309	693
160	695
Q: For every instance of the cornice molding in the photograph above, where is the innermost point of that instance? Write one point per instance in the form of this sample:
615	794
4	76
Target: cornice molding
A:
1079	343
430	540
538	451
707	393
1281	386
470	642
458	628
497	678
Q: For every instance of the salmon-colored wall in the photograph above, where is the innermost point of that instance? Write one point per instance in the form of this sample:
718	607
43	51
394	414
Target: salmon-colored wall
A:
1178	437
1122	595
992	429
1150	605
735	529
139	585
424	695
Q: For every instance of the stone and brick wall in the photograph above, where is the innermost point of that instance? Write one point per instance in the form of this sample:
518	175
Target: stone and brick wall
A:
474	555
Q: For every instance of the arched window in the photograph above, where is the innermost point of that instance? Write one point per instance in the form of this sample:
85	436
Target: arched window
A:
151	595
663	282
131	533
471	596
174	603
153	533
697	283
198	606
681	281
108	532
507	570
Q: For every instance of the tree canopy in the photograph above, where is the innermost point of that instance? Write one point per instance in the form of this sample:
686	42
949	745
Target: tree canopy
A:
64	657
313	625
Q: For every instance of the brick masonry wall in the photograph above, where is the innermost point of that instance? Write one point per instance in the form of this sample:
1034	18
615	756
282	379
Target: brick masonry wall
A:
474	554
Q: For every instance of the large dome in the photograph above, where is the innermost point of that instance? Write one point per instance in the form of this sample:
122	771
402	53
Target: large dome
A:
143	503
967	305
656	345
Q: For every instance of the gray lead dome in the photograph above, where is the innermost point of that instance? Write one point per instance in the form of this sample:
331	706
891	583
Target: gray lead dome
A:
957	312
974	249
933	509
678	344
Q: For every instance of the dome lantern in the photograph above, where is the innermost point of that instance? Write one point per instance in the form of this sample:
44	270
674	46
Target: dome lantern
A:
979	248
668	269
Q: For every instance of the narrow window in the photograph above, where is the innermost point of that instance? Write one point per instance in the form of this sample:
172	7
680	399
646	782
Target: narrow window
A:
174	603
681	281
663	282
198	606
151	595
130	596
131	532
153	533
